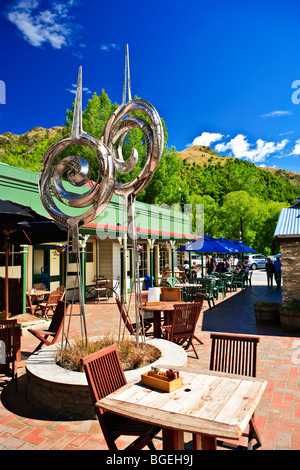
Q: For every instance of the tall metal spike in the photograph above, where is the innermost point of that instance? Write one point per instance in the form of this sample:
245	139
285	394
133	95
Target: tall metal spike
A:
77	115
127	82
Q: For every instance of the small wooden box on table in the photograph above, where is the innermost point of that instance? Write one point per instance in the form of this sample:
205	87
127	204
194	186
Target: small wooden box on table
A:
161	382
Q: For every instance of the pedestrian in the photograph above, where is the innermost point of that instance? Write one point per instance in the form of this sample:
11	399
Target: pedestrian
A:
228	264
277	271
208	264
214	262
194	269
270	271
186	266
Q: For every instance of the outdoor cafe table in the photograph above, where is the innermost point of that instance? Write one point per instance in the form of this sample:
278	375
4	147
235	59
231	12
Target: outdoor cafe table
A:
208	405
165	308
30	295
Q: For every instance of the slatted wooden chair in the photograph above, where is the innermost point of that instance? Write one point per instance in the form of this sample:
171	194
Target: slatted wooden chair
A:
184	322
62	289
131	327
10	345
55	326
236	354
50	304
104	374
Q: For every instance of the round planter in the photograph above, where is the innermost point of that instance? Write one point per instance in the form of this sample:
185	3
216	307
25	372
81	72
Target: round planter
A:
290	322
65	394
266	315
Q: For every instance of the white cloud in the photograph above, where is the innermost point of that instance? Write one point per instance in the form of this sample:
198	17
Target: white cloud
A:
287	133
206	138
296	150
238	146
275	114
52	25
241	148
74	88
109	47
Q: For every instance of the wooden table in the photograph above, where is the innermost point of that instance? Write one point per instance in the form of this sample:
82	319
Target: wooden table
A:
209	405
165	308
30	295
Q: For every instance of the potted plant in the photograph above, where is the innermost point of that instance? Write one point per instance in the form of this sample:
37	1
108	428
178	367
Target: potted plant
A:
290	315
266	313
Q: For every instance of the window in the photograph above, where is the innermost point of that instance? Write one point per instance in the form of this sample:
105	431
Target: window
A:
163	257
143	260
89	252
14	259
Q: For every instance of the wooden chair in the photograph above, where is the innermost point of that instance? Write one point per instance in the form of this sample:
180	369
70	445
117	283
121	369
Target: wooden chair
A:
236	354
54	327
62	289
131	327
184	322
104	374
50	304
10	346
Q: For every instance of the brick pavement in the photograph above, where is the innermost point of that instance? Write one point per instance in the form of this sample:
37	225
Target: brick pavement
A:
278	415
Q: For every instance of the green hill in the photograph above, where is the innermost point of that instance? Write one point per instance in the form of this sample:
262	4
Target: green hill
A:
26	150
203	155
207	173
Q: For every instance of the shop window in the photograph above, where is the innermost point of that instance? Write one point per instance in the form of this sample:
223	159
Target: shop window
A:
164	257
143	260
89	252
14	259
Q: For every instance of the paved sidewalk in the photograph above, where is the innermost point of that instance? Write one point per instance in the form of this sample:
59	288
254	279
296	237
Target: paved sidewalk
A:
278	415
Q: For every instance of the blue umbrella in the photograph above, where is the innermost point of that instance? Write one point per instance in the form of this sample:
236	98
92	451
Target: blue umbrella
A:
236	246
205	244
230	245
244	248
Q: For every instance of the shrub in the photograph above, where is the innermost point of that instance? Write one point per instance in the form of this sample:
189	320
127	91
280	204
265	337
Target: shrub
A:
131	356
291	307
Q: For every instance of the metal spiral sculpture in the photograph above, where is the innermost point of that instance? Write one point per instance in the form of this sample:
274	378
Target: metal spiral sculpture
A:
57	200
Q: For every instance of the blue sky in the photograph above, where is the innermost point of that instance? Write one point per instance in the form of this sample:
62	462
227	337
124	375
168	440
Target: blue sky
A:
222	73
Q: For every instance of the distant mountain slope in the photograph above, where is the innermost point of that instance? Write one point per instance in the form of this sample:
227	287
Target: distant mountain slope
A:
202	155
26	150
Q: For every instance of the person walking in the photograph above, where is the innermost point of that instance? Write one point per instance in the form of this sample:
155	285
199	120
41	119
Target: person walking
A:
277	271
214	262
208	265
270	271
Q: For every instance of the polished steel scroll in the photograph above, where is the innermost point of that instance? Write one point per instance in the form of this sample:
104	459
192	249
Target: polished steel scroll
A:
74	209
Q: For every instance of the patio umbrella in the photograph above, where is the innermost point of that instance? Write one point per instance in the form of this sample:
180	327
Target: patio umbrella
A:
205	244
243	248
10	214
21	225
37	231
230	245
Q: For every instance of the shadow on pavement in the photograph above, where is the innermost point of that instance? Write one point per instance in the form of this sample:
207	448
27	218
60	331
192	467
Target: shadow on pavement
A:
236	314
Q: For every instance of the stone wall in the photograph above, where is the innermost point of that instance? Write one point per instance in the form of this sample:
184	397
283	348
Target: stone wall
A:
290	252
